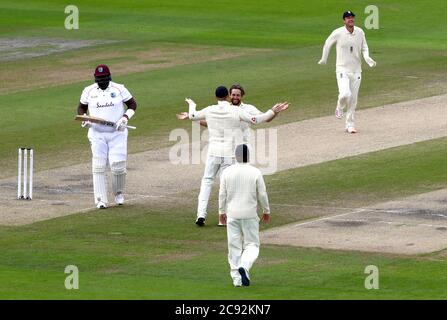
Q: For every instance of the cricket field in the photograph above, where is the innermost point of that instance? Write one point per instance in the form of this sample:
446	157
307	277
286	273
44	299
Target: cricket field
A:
338	206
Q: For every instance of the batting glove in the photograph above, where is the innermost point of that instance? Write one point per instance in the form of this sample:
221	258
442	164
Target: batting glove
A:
121	125
86	124
322	62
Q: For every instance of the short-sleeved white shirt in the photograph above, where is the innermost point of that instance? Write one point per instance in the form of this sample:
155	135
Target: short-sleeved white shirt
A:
107	104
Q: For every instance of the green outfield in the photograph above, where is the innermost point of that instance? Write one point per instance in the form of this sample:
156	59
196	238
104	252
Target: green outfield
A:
164	51
141	253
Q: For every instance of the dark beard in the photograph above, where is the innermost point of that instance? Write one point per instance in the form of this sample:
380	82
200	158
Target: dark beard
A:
103	85
103	82
235	104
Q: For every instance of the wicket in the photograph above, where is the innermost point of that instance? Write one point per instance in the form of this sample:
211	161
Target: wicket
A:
25	156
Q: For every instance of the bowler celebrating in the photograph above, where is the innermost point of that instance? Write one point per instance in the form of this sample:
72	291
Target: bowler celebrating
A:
223	120
351	44
104	99
237	92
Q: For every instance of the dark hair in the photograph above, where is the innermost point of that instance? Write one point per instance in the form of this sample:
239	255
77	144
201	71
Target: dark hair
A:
221	92
238	87
242	153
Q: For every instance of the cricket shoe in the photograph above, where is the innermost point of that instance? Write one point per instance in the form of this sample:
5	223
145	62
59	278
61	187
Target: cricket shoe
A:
119	199
351	130
237	282
244	277
101	205
338	112
200	221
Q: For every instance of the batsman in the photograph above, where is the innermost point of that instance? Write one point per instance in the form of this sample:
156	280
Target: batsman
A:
106	99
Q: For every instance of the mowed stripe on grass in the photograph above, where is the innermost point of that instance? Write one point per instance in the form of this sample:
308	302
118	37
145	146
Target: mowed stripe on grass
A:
149	253
68	190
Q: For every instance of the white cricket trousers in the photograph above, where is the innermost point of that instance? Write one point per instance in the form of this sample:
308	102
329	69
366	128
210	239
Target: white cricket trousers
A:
348	91
212	167
107	148
243	244
110	146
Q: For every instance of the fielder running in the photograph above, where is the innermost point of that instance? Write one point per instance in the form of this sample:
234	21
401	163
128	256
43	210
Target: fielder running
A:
241	187
351	44
105	99
223	121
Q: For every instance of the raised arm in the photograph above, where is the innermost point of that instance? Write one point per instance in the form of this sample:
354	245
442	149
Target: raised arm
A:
330	41
193	114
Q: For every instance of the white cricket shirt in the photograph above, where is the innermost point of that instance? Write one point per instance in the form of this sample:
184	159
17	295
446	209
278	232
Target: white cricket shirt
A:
241	188
107	104
224	124
350	47
251	109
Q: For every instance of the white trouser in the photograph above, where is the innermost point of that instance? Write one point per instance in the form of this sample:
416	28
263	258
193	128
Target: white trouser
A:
212	167
348	91
107	147
243	244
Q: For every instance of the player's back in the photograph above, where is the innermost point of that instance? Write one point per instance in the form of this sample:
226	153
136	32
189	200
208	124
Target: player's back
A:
224	128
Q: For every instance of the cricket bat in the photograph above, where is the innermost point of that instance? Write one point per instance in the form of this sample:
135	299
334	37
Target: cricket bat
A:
98	120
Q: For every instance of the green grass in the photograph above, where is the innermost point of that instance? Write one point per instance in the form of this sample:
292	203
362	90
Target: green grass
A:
158	253
410	64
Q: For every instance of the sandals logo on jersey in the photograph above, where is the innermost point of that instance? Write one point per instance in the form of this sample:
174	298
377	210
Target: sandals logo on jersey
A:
105	105
113	94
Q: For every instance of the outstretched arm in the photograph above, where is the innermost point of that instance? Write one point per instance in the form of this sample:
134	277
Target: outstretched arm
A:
255	111
193	114
264	117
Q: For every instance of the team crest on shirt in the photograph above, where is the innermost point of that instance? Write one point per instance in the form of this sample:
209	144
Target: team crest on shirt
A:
113	94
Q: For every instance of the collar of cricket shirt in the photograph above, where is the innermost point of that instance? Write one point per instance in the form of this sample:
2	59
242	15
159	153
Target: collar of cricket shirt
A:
348	32
223	103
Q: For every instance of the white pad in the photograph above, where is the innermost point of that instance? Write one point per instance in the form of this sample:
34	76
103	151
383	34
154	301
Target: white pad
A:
118	177
99	166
